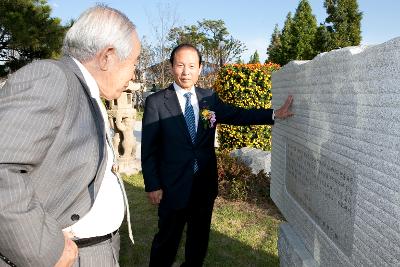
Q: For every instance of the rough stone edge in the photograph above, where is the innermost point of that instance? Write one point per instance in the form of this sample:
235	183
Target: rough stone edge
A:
295	253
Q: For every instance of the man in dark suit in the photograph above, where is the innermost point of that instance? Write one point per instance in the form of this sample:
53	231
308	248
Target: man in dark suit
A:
178	156
58	190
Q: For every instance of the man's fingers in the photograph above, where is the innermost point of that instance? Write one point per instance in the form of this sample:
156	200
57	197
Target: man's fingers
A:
68	235
284	111
155	196
154	200
69	254
71	247
288	101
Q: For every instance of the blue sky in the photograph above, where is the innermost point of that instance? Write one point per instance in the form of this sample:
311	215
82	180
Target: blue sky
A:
251	22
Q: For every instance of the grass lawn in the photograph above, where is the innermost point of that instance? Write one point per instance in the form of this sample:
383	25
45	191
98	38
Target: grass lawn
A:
241	234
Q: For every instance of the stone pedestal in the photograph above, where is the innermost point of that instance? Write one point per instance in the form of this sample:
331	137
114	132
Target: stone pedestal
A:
129	165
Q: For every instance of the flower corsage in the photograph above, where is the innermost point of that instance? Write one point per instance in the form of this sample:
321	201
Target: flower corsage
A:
208	118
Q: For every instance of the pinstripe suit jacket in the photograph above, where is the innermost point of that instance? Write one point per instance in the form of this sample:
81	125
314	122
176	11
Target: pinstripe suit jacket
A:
51	159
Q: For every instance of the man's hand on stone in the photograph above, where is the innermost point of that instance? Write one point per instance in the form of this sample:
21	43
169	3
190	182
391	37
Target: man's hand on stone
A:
284	112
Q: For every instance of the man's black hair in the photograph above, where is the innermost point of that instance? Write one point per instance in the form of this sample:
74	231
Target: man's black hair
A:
182	46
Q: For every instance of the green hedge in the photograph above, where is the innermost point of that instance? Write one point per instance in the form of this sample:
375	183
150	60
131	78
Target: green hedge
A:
247	86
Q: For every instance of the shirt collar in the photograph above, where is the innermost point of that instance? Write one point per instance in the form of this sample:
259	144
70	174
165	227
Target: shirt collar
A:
179	90
90	81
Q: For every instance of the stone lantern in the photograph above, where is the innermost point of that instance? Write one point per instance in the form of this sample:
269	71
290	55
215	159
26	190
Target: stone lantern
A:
121	115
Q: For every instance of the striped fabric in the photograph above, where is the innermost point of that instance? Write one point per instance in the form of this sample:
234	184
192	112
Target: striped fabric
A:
104	254
51	159
190	122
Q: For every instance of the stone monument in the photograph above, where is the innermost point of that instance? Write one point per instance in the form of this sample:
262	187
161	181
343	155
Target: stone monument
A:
335	165
121	115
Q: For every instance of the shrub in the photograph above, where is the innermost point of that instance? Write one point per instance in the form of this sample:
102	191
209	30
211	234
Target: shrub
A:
237	182
247	86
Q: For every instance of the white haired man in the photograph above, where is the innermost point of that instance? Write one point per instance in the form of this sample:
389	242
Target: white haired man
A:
61	204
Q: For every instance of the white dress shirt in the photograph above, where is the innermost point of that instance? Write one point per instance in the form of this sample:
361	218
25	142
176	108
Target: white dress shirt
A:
108	210
193	99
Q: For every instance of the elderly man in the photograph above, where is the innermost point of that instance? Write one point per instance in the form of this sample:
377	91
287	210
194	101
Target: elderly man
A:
59	195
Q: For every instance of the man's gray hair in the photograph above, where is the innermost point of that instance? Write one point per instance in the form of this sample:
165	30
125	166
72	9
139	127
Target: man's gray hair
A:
98	27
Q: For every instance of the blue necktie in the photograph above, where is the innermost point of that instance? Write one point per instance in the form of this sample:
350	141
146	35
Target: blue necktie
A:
190	122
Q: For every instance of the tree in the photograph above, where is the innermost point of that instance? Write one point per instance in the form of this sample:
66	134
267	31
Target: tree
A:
162	25
27	32
275	47
301	39
255	58
343	22
297	40
212	38
323	40
145	61
287	52
304	31
239	61
186	34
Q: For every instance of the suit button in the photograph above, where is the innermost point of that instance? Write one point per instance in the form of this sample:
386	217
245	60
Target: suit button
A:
75	217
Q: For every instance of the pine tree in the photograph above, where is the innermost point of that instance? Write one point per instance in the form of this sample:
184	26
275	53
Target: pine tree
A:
323	40
275	47
255	58
304	31
287	52
344	22
27	32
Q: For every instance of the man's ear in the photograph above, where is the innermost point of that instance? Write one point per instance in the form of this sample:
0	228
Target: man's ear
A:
201	67
106	57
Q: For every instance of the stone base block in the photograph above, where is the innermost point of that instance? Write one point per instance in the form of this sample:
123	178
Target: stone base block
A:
129	166
292	252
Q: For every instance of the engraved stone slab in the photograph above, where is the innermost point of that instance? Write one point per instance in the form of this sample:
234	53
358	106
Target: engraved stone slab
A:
335	165
324	188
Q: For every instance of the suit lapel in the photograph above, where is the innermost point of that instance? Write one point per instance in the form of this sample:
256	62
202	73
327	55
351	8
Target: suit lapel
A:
99	121
75	69
202	105
172	104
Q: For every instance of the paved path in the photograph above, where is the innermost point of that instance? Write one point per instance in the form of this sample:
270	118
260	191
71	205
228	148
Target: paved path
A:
137	132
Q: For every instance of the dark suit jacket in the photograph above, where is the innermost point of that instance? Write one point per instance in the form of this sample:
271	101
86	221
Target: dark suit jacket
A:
167	150
51	159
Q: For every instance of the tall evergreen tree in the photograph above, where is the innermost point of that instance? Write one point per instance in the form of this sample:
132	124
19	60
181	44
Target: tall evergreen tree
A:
287	52
275	47
304	31
255	58
323	40
343	22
